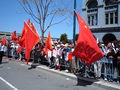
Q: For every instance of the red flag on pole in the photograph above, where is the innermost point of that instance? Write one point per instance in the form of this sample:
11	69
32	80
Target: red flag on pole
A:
22	39
32	26
31	39
28	22
48	44
34	29
14	37
86	47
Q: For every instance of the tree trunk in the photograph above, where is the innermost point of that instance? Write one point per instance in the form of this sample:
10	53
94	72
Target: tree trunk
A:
42	36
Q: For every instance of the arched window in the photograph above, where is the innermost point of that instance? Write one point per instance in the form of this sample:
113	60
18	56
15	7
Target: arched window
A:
111	12
92	4
110	2
92	12
109	38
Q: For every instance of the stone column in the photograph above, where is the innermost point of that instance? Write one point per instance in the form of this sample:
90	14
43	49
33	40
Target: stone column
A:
119	14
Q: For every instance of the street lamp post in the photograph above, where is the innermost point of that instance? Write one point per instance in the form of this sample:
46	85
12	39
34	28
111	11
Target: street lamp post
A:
74	23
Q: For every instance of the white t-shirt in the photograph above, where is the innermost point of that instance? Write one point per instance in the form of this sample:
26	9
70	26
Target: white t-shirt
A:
2	48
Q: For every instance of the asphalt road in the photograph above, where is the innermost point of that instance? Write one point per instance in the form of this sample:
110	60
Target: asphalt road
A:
16	76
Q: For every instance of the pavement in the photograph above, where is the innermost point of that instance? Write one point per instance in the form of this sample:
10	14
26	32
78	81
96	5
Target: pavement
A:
98	82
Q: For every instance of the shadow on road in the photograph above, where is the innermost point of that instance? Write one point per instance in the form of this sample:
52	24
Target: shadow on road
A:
33	66
83	81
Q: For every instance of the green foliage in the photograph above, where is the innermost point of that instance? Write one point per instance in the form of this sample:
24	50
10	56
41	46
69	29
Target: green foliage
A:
63	38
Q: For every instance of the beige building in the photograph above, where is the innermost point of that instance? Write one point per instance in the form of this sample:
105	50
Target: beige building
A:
103	17
8	36
5	34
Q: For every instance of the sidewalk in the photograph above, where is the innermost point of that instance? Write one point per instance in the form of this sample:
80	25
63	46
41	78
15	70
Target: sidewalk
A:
101	83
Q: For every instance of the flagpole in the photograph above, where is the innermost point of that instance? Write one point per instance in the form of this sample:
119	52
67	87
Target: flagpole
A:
74	23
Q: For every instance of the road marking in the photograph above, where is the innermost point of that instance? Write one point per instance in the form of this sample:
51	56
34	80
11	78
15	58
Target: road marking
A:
14	88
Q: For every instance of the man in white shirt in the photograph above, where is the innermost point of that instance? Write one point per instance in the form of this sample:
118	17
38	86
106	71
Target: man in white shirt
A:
2	47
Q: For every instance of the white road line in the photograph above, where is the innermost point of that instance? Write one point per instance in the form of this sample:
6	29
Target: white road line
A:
14	88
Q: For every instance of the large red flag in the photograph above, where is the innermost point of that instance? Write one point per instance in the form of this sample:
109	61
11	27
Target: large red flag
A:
22	39
32	26
14	37
86	47
31	39
28	22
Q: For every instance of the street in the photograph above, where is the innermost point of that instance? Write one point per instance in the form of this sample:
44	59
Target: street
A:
16	76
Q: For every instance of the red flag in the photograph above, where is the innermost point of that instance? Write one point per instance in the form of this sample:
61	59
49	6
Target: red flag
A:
14	37
4	41
86	47
19	49
45	50
32	27
28	22
31	39
48	43
22	39
70	57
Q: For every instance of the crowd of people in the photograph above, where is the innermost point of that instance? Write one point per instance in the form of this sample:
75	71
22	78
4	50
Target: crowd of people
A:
108	68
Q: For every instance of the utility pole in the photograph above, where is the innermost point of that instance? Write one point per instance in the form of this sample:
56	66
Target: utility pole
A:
74	23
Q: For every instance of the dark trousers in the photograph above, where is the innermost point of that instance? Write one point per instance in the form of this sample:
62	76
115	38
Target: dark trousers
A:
36	59
1	55
118	66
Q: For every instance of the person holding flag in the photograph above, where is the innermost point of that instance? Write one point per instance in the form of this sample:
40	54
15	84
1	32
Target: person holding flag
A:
86	47
28	40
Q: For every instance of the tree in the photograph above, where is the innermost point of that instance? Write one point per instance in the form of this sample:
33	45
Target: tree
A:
63	38
43	12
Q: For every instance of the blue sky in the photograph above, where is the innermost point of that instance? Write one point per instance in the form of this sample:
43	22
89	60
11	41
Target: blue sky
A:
12	17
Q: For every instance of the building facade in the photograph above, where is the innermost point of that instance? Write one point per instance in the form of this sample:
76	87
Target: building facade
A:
5	34
8	35
103	17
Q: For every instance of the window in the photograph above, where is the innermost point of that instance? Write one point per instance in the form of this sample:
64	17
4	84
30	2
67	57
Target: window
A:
111	18
92	4
116	18
95	19
89	20
110	2
92	19
107	18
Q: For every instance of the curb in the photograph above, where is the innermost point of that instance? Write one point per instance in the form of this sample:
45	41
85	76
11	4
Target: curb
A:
100	83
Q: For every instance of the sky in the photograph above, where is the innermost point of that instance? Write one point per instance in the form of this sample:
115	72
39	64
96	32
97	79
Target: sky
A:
12	17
